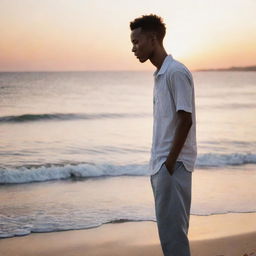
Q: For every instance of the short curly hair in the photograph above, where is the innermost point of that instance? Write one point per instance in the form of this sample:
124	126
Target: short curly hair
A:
150	23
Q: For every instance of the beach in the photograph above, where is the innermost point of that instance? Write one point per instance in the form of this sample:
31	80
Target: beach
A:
74	159
83	122
231	234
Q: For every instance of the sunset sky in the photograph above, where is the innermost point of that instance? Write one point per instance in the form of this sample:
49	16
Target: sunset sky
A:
94	34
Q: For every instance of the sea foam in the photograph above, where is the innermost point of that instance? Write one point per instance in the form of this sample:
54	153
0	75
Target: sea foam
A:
85	170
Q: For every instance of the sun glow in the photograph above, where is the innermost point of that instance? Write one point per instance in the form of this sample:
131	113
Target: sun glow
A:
86	35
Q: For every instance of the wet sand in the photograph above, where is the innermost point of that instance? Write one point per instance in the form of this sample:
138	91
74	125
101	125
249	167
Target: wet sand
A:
226	234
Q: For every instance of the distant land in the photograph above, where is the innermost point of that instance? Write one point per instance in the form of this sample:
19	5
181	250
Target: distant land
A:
248	68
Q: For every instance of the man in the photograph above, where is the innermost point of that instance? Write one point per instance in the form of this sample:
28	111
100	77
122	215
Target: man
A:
174	149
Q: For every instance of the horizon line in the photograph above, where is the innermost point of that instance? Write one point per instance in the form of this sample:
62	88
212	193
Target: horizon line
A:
232	68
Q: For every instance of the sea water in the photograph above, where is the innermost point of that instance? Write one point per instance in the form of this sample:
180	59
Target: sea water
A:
75	148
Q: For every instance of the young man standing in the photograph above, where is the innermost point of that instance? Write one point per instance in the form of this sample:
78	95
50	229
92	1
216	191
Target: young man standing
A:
174	149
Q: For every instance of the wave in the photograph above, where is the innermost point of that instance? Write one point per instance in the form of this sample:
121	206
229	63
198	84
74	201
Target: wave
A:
21	226
57	172
48	172
63	117
219	160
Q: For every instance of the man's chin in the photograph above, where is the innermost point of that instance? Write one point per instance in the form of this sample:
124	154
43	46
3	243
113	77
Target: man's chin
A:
142	60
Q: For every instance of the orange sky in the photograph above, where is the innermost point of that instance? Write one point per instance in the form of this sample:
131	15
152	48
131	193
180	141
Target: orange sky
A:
94	34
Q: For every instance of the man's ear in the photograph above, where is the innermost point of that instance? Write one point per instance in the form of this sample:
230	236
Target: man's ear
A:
153	38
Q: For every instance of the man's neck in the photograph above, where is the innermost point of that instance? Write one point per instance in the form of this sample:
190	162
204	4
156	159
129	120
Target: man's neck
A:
158	58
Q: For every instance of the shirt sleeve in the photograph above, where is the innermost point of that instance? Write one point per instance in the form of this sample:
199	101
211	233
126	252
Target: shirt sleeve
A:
182	91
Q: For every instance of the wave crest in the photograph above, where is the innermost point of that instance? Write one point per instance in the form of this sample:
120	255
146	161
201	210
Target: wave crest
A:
218	160
49	172
63	117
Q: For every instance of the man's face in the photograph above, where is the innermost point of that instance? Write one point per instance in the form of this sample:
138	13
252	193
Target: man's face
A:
142	45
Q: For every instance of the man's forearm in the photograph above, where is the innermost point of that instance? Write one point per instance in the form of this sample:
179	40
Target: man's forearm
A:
181	132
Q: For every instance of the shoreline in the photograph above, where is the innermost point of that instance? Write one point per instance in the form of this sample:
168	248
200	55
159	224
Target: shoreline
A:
231	234
120	221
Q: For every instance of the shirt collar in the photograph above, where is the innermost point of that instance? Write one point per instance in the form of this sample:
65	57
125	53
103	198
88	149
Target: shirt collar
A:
168	59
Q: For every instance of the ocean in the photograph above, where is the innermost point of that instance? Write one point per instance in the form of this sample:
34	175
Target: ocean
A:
75	148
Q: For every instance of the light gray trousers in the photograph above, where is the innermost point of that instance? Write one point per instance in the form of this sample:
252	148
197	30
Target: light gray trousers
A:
172	194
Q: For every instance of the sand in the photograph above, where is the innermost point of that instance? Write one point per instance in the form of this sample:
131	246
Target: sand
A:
226	234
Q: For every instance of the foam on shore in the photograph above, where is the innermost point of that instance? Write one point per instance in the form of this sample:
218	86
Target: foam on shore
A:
227	235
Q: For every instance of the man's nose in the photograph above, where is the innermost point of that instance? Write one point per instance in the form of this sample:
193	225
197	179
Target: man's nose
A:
133	49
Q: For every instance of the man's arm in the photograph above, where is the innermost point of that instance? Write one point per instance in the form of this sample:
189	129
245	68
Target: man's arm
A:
184	123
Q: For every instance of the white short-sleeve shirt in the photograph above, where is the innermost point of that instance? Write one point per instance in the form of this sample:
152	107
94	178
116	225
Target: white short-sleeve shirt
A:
173	91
